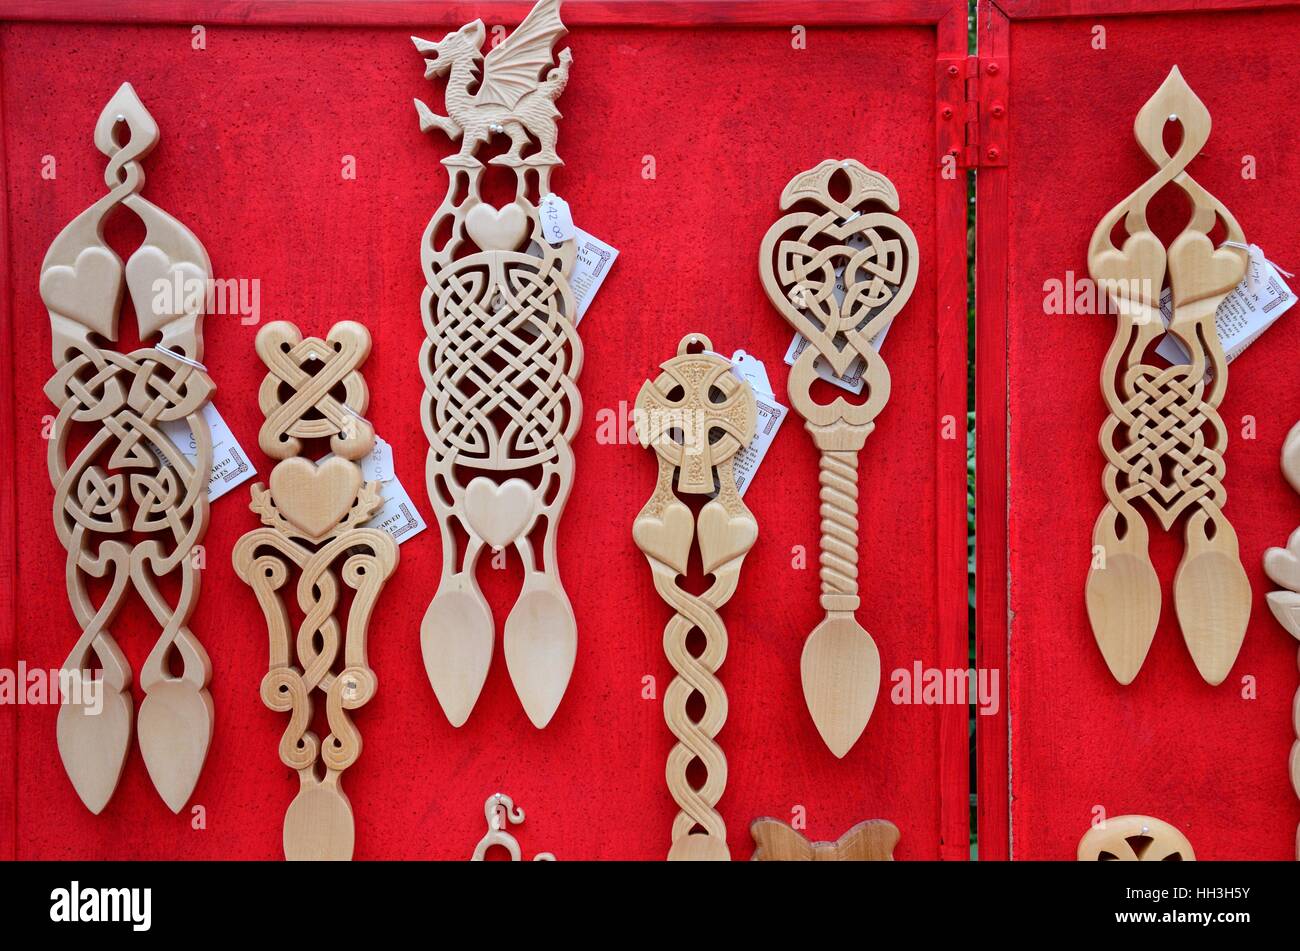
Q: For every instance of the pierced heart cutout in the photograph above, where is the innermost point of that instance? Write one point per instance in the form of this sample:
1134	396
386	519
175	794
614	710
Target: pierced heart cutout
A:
88	291
877	277
162	291
497	229
315	498
666	538
722	537
499	514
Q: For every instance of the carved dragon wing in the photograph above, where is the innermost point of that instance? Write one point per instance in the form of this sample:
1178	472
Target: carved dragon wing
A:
514	67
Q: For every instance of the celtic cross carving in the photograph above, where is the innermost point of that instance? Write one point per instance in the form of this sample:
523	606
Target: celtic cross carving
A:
129	507
839	271
314	516
696	415
1164	440
499	364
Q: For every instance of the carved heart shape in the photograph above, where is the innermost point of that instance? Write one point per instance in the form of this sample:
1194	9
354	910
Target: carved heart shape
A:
158	286
723	537
315	498
1198	270
800	280
88	291
666	538
499	514
1282	565
497	229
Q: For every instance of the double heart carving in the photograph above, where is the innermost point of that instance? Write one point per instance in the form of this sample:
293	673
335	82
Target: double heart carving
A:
126	462
696	415
500	362
1164	441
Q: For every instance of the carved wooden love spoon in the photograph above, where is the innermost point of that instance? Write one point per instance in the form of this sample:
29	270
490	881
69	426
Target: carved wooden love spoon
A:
1164	439
696	415
803	258
129	507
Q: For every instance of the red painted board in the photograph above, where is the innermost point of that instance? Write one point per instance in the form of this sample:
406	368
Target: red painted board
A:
254	132
1211	760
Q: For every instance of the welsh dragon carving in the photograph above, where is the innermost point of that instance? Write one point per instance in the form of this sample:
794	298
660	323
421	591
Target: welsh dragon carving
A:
499	364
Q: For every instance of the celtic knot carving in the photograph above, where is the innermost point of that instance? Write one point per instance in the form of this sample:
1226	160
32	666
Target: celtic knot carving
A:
696	415
314	513
1163	440
129	506
500	379
839	271
499	364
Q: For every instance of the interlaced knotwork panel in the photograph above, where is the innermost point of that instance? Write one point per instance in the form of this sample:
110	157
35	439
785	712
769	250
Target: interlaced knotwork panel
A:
499	364
129	508
1164	440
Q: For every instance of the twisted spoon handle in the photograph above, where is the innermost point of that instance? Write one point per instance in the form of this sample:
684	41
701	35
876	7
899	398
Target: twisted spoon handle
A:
838	478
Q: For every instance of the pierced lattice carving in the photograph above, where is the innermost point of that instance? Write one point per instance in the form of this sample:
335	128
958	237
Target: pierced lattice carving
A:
312	517
821	243
1282	565
1134	839
696	415
499	364
130	507
1164	440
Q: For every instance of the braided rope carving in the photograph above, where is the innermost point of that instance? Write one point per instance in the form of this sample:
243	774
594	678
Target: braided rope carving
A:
130	507
839	272
838	475
1164	440
1282	565
313	516
696	415
499	364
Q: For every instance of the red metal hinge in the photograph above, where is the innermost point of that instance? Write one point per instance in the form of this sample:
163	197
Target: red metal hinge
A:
971	111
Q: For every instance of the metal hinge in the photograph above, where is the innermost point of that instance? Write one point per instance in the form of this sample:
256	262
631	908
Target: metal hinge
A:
971	112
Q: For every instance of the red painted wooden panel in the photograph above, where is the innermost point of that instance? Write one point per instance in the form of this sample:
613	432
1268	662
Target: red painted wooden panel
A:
254	129
1203	758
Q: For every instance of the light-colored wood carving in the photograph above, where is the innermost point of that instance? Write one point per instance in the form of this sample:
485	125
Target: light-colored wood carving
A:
501	812
1164	440
312	516
499	364
1282	565
802	258
1134	839
696	415
130	508
870	841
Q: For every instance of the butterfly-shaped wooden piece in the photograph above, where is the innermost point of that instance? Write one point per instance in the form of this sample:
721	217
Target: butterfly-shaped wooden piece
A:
870	841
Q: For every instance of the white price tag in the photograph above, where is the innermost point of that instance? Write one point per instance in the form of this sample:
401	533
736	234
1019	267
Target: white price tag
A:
230	464
770	416
590	266
556	219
